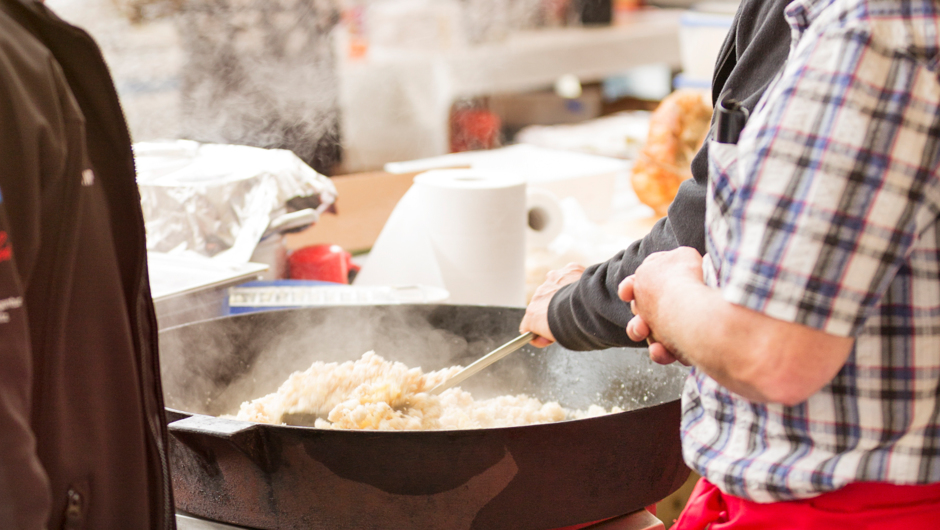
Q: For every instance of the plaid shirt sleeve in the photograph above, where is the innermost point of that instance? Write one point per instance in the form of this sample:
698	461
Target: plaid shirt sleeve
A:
837	177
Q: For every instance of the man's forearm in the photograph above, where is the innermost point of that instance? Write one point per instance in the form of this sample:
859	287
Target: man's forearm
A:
759	357
703	330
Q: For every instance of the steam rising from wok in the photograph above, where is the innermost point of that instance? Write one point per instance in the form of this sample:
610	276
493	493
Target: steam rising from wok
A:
214	366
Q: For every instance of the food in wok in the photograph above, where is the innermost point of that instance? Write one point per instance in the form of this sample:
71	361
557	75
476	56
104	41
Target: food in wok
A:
373	393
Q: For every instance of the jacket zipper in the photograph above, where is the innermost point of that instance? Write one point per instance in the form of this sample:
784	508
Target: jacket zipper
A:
74	511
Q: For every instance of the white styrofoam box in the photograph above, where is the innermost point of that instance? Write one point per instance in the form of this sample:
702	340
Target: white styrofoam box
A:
591	179
620	135
415	24
701	35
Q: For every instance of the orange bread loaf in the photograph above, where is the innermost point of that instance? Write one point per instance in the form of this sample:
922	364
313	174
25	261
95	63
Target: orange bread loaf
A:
678	127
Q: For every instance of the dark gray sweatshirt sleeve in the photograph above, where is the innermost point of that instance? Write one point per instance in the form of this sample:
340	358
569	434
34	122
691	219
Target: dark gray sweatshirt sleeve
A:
588	315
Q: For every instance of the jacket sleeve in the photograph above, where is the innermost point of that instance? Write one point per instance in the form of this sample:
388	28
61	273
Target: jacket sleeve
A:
25	144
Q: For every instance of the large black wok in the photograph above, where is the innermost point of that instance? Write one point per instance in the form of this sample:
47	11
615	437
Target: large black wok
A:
532	477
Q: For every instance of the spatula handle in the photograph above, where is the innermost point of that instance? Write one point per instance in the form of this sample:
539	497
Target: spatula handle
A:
484	361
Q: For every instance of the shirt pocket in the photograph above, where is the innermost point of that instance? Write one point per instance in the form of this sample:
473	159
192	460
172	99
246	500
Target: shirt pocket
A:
723	163
723	178
723	183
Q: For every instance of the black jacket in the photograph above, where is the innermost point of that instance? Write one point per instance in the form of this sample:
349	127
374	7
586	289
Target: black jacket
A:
82	425
588	315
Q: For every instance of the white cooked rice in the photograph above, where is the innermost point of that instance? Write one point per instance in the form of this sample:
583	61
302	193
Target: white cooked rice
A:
372	393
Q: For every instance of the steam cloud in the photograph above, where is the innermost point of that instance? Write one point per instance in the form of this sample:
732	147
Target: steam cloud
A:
261	73
253	72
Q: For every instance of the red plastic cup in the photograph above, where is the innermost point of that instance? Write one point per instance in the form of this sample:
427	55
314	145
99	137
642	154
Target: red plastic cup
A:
325	263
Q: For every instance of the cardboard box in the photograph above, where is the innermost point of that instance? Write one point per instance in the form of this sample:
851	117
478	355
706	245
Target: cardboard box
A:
364	203
545	108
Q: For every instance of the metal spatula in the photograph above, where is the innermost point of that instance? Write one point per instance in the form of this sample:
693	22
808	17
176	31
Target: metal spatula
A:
484	361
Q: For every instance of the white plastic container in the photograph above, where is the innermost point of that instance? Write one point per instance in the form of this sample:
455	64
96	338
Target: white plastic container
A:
701	34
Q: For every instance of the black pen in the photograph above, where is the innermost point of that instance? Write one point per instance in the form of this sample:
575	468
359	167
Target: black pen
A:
730	121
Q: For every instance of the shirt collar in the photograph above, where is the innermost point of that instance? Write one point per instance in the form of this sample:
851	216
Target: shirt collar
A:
801	13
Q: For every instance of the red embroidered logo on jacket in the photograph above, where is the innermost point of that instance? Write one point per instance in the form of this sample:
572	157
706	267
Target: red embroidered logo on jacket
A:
6	250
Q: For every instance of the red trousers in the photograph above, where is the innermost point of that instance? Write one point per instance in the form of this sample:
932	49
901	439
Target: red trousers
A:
863	505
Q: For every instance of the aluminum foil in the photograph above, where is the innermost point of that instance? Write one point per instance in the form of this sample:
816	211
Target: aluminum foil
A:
222	200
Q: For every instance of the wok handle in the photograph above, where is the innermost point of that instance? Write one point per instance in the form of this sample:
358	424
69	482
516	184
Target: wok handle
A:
220	427
198	431
484	361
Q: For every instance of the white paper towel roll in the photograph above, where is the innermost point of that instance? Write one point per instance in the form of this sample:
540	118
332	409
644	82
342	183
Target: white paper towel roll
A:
545	219
460	229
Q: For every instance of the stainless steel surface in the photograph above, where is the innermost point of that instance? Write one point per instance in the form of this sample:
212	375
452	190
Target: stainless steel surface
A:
189	522
485	361
638	520
192	288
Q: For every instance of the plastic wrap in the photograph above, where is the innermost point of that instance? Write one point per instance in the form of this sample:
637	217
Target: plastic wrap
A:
221	200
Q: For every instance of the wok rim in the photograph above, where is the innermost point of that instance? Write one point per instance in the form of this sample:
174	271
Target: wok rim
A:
507	429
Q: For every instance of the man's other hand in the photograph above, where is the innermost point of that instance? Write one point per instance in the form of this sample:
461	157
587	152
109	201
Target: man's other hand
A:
644	290
637	328
536	315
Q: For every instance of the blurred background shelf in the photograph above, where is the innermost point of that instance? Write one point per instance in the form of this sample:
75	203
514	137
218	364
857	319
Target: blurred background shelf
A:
395	104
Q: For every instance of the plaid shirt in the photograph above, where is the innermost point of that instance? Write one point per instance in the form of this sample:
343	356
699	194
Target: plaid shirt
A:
826	214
